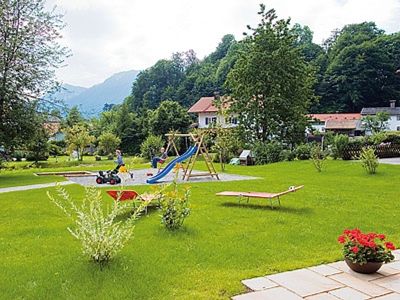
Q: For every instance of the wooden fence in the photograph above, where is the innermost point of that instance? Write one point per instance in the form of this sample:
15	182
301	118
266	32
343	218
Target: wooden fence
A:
382	151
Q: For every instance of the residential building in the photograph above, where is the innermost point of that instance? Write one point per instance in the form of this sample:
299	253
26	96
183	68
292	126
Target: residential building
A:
53	126
345	123
393	112
207	114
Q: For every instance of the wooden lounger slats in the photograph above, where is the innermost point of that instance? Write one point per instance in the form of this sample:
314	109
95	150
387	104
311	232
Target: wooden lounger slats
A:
262	195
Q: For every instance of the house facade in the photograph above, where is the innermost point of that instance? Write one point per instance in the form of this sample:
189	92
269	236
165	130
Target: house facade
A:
344	123
53	126
347	123
393	123
207	114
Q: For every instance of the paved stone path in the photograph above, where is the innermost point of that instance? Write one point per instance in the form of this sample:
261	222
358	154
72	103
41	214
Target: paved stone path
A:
390	161
327	282
33	186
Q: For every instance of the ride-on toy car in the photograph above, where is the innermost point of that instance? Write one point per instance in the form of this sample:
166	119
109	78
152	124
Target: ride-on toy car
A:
109	176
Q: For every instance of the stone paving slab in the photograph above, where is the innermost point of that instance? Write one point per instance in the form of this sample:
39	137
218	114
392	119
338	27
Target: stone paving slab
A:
394	265
259	283
323	296
387	270
364	286
305	282
390	282
347	293
389	297
269	294
325	270
327	282
33	186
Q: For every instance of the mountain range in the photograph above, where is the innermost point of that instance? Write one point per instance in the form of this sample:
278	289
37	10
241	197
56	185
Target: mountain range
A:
91	100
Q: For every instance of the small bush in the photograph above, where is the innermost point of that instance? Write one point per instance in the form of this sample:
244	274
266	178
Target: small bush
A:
288	155
54	149
174	207
369	160
340	142
35	156
303	151
19	155
151	146
318	157
268	152
392	137
100	234
378	138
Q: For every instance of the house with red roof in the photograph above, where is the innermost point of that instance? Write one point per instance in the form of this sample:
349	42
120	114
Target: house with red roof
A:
207	114
345	123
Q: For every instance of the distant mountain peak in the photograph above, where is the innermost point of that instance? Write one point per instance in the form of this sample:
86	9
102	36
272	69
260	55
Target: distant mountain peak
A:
90	101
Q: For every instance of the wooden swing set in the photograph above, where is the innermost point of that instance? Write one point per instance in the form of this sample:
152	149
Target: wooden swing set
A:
201	150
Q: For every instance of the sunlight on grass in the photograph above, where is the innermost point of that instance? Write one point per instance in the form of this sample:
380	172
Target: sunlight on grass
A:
221	243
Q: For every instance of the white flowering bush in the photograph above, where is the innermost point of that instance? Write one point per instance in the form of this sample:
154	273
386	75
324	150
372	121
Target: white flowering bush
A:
96	226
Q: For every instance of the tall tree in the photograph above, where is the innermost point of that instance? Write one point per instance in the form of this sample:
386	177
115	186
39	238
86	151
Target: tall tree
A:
271	82
108	142
361	69
169	116
78	138
29	53
74	117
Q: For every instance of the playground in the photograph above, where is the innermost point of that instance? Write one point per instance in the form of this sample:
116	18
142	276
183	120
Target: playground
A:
140	177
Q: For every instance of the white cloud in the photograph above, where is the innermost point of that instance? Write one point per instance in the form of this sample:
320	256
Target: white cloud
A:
111	36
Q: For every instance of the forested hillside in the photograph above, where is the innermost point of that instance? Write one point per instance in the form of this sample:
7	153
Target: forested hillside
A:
356	67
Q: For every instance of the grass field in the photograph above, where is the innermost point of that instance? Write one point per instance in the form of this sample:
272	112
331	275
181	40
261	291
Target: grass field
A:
221	243
18	173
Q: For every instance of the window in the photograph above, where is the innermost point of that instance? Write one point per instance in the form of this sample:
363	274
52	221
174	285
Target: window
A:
214	120
398	117
398	128
234	120
207	120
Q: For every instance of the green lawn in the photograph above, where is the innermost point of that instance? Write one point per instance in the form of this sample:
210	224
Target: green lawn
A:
222	242
22	175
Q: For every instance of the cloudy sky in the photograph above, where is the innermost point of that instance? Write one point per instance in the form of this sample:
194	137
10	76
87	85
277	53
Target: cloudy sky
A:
110	36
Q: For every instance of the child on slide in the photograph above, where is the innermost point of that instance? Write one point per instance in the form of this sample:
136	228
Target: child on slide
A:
157	159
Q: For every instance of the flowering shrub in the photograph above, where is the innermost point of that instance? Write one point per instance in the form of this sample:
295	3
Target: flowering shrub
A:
102	236
369	160
361	247
174	207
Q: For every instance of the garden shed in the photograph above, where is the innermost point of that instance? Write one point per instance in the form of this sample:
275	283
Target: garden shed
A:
246	158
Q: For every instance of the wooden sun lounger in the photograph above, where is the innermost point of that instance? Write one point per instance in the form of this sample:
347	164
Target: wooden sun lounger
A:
270	196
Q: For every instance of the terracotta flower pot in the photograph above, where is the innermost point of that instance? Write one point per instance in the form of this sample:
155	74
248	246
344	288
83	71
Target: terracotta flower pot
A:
368	268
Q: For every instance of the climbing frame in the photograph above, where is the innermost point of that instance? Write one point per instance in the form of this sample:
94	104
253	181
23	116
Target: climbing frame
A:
201	151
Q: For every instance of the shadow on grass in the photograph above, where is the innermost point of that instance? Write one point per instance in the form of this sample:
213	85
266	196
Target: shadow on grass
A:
150	210
186	231
277	208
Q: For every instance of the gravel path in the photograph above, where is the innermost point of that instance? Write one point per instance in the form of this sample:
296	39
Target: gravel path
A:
33	186
390	161
140	177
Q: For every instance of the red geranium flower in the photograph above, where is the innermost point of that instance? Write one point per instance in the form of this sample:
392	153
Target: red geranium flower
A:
355	249
390	246
342	239
381	237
